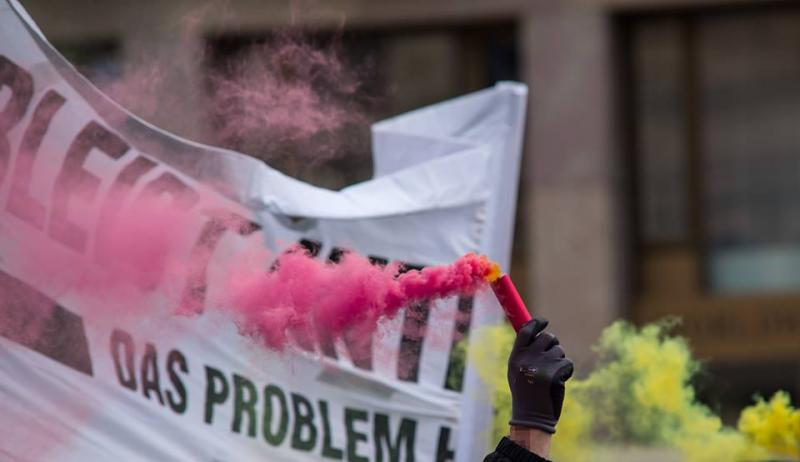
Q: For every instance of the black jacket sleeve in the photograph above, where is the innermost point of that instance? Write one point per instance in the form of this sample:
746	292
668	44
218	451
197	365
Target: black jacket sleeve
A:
509	451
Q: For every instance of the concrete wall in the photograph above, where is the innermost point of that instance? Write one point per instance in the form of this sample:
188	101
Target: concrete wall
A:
571	174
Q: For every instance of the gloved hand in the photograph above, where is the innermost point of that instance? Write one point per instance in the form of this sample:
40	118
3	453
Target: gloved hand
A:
537	370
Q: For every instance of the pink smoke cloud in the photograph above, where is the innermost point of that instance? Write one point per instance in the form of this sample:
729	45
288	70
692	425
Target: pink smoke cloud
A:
291	97
285	89
306	295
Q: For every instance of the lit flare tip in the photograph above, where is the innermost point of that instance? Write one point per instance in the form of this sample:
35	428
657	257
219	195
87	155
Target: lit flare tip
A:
494	273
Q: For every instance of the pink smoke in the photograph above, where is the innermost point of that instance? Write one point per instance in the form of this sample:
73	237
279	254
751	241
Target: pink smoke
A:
284	89
308	296
291	97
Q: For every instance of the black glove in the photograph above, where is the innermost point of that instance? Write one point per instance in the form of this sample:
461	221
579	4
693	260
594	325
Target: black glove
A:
537	370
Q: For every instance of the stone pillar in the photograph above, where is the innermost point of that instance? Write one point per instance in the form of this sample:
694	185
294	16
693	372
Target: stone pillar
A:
571	173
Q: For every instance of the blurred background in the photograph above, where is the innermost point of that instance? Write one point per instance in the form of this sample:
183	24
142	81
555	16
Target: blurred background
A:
662	164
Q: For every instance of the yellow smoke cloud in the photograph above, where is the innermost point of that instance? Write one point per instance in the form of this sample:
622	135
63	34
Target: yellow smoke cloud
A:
773	424
640	394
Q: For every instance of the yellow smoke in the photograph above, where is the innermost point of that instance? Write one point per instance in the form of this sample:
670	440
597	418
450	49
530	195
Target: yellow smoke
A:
640	394
773	424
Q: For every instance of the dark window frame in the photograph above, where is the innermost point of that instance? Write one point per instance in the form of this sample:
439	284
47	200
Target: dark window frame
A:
624	20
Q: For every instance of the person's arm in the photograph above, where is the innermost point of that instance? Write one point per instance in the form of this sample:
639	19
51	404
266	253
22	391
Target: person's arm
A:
537	371
532	439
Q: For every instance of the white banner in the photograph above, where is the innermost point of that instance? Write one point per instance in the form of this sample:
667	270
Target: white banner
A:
82	379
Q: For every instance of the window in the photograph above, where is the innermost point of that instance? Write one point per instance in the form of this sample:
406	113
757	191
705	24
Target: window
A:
715	106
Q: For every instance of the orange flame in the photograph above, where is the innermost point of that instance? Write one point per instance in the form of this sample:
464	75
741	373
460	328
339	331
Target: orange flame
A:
494	272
